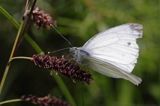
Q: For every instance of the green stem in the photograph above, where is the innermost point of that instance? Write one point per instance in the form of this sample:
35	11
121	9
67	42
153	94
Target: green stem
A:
64	89
10	101
18	38
35	46
11	55
16	25
20	58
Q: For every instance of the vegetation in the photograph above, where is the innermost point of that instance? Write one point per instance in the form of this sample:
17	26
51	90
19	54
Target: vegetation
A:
78	21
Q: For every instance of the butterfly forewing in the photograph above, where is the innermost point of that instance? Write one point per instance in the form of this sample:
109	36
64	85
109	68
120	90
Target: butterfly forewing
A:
116	46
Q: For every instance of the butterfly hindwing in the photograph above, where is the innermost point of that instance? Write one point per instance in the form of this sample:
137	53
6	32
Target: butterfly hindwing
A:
112	71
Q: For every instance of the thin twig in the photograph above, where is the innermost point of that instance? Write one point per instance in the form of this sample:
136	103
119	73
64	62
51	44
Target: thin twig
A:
10	101
21	58
19	36
36	47
26	5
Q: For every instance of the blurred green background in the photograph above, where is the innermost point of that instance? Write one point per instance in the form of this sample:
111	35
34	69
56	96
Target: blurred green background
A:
79	20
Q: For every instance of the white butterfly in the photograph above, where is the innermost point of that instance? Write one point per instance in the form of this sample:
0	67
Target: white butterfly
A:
113	52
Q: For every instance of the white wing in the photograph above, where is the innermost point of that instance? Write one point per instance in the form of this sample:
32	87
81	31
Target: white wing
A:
112	71
116	46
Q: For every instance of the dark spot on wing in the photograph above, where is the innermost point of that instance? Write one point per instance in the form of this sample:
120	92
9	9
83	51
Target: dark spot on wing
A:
129	43
137	27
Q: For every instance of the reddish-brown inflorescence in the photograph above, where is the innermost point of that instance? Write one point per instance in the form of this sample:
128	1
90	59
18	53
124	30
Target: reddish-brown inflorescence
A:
62	66
44	101
42	19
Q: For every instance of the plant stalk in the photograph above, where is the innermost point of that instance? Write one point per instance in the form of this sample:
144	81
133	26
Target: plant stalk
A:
11	55
10	101
36	47
18	38
21	58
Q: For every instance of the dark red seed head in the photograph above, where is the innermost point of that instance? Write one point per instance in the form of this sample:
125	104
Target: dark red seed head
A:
63	66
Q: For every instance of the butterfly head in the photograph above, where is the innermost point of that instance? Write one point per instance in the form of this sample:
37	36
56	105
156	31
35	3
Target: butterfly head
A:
75	53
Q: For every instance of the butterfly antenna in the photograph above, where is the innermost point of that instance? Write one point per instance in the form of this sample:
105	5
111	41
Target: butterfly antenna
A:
62	36
58	50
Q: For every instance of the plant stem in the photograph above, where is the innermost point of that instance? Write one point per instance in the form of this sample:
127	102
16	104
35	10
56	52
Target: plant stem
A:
19	36
20	58
10	101
64	90
11	55
33	44
36	47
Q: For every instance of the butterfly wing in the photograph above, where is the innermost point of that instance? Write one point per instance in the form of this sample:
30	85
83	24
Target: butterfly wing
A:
116	46
112	71
117	51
